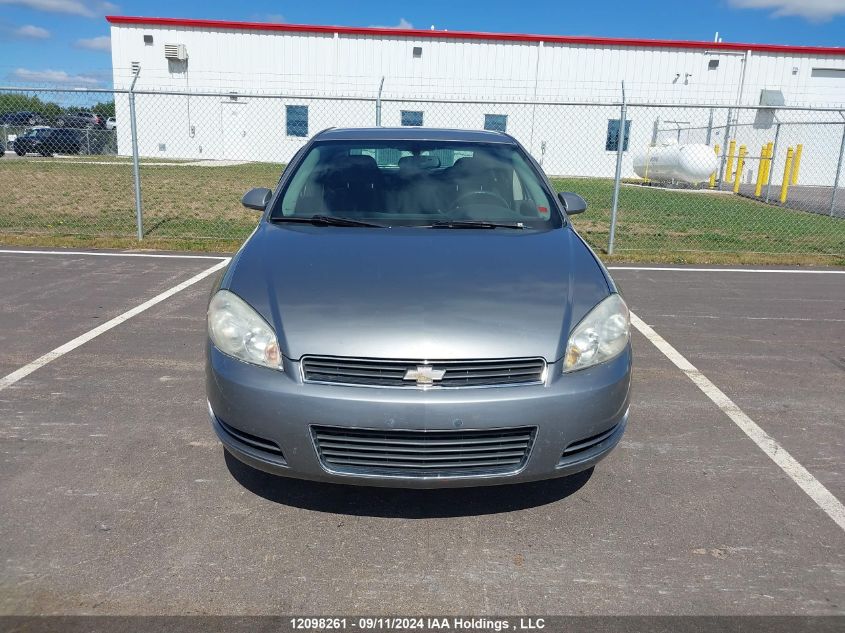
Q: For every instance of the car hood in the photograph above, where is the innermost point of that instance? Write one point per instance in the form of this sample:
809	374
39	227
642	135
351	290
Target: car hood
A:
417	294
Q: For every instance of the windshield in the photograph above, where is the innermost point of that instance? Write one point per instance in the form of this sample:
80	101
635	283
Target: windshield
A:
418	183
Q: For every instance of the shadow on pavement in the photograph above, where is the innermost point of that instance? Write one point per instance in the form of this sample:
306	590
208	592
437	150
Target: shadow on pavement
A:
403	503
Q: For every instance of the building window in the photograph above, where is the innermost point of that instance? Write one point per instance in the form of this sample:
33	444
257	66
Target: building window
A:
496	122
417	52
828	73
412	117
297	120
611	143
148	40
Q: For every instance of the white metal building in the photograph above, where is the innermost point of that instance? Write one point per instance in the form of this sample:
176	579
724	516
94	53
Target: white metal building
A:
330	76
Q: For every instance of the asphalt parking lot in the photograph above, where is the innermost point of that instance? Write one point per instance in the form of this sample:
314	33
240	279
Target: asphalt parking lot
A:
117	498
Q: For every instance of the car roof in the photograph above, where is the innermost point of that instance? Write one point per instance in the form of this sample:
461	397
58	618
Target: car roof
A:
412	133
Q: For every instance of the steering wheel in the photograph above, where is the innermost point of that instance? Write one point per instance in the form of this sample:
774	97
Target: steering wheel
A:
499	200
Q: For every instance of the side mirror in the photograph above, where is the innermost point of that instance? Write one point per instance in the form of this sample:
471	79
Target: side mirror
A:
572	202
257	198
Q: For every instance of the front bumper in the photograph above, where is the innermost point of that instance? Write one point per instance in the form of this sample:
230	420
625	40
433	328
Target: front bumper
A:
258	403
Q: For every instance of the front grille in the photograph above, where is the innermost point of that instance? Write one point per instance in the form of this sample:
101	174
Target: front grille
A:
423	453
391	373
265	446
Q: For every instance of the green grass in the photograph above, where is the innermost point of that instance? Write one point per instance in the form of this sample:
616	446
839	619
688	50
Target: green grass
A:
51	202
661	221
182	203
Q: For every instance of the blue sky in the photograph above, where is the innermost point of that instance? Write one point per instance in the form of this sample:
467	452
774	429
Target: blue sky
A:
66	41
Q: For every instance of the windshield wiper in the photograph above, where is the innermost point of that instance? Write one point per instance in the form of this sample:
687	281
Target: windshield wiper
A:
474	224
326	220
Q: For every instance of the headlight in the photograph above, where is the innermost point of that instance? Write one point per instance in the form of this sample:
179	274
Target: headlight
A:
238	330
600	336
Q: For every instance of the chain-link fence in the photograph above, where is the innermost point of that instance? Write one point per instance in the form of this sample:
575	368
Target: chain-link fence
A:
658	178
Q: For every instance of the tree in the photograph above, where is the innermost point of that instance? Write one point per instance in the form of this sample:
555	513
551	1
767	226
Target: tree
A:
105	109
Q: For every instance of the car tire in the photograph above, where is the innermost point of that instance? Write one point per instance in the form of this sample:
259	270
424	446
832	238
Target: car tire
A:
60	122
20	152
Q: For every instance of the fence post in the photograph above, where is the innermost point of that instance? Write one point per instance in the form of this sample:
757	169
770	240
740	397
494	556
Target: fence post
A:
709	128
724	155
136	172
378	103
620	147
838	169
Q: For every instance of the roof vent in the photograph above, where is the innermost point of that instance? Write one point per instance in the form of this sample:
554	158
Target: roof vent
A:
176	51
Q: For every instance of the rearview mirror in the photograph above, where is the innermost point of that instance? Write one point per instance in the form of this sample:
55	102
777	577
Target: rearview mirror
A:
257	198
572	202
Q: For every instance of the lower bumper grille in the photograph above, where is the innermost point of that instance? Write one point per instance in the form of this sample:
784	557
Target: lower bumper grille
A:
423	453
587	443
253	441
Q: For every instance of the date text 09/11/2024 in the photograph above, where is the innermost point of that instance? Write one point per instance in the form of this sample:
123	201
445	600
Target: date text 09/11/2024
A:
417	623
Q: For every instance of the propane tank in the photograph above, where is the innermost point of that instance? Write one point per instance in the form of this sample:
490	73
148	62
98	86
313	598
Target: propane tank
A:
691	163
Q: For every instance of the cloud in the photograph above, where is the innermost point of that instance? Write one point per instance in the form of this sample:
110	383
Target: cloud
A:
812	10
30	31
85	8
403	24
53	77
101	43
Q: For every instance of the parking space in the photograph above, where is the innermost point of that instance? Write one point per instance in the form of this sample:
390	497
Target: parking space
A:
117	497
49	299
774	342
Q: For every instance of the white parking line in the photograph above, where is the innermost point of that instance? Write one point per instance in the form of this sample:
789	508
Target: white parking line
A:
800	475
96	254
71	345
787	271
738	317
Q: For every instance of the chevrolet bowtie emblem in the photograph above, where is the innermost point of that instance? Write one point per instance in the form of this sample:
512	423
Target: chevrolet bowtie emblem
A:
424	375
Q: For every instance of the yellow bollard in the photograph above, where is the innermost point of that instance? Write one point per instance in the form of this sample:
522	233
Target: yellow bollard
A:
770	148
730	165
740	163
787	176
761	171
716	149
796	163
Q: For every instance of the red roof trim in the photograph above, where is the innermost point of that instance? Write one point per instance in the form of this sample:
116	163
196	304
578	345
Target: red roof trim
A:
474	35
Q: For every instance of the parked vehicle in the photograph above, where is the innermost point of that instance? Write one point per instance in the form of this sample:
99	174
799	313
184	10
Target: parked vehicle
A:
80	119
415	309
111	123
49	141
21	119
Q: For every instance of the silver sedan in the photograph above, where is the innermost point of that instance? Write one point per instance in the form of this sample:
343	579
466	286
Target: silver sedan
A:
415	309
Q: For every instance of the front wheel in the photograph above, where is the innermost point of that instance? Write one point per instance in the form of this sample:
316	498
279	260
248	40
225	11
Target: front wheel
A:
20	152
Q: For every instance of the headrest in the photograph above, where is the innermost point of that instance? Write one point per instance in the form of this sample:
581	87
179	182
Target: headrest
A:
361	161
